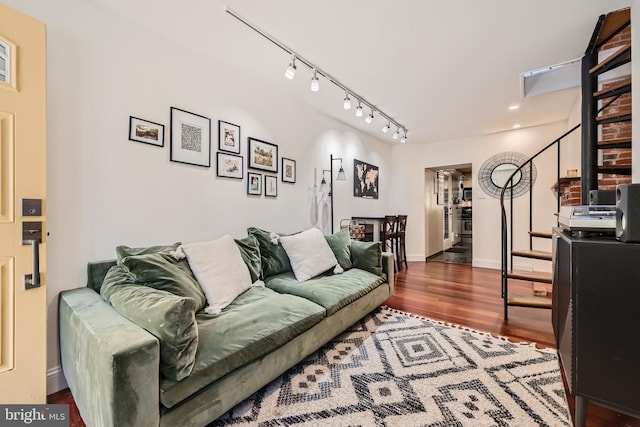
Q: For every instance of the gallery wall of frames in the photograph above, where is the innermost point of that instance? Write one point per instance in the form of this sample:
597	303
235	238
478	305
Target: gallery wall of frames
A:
190	143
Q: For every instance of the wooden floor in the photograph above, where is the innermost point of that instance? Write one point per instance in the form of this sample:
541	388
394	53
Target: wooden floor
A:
467	296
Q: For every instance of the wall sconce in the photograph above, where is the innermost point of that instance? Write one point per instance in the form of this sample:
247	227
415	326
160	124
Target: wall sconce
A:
340	177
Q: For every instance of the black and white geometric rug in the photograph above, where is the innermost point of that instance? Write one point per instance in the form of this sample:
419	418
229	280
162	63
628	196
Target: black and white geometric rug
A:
396	369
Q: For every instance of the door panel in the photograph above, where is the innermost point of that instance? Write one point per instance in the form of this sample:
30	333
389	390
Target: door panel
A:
22	176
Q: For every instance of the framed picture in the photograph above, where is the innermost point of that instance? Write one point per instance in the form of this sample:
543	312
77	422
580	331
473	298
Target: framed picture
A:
229	166
288	170
365	180
228	137
190	138
254	184
270	186
263	155
141	130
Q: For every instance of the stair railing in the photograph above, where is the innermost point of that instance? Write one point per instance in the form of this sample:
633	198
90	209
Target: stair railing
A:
509	232
503	238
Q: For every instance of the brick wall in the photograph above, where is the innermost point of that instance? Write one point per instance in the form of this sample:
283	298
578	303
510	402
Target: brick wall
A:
618	156
570	192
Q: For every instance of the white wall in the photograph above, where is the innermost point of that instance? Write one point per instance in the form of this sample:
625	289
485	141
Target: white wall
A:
104	190
411	160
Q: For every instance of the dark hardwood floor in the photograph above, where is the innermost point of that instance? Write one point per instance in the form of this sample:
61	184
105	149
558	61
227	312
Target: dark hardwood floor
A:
467	296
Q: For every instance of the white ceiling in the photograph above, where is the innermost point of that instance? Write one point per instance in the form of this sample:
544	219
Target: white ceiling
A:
443	69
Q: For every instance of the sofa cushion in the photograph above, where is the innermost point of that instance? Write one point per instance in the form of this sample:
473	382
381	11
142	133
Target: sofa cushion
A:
367	256
169	317
219	269
161	271
123	251
332	292
256	323
250	251
309	254
340	244
273	256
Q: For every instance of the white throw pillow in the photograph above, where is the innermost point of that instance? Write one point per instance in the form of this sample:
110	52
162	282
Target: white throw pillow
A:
309	254
219	269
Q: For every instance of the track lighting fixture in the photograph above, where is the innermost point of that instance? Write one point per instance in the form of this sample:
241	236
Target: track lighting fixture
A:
396	134
359	110
347	101
315	83
291	69
404	137
369	118
386	127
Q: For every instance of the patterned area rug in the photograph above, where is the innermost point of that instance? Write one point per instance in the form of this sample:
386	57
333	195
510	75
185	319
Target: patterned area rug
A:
396	369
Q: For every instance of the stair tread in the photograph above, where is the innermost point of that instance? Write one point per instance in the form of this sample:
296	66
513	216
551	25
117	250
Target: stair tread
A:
532	254
614	141
534	276
608	116
615	169
624	50
529	301
542	234
613	87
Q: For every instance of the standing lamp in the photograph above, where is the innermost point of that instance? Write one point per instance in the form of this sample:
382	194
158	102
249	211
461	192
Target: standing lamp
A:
340	177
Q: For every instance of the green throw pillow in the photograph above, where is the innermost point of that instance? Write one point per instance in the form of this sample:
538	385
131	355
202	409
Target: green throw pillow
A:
274	259
169	317
250	252
162	271
367	256
340	244
125	251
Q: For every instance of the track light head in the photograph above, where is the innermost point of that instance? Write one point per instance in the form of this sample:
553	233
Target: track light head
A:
369	118
347	101
315	83
359	110
291	69
404	137
386	128
396	134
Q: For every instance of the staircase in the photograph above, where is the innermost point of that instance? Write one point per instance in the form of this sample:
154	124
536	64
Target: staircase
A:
606	152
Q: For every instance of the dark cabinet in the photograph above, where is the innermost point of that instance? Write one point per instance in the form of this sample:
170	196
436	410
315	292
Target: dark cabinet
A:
596	320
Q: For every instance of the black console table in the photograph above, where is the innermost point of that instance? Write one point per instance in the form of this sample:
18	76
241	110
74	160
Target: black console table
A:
596	320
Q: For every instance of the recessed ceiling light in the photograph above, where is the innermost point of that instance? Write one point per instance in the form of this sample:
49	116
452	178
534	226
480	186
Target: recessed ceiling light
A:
513	107
516	126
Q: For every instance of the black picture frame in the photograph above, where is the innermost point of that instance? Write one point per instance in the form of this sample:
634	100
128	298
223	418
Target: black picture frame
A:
262	155
229	165
145	131
288	170
270	186
190	138
228	137
365	180
254	184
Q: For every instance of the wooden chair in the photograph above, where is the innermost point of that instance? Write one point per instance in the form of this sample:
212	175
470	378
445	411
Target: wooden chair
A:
401	249
388	235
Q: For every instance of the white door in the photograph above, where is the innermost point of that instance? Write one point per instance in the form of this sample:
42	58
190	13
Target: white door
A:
22	176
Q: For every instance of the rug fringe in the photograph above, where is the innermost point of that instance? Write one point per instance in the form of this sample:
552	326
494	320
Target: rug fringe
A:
532	344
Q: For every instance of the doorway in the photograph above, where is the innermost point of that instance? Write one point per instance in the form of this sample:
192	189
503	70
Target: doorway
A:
448	216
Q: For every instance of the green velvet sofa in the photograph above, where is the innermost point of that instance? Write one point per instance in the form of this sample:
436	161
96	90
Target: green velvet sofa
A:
113	366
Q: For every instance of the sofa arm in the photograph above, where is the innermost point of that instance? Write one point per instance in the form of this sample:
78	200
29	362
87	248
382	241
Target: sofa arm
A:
111	365
388	269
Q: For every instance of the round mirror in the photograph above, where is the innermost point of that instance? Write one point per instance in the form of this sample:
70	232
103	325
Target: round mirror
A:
502	172
497	169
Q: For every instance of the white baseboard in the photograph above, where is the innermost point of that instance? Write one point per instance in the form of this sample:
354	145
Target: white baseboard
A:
55	380
487	263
